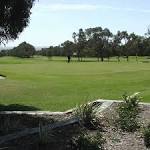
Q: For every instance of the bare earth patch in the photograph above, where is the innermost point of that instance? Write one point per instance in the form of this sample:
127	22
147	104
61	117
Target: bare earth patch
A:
2	77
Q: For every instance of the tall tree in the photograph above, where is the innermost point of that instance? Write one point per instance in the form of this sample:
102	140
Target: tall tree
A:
109	50
132	45
49	52
117	45
81	44
68	47
106	39
94	36
74	36
14	17
124	40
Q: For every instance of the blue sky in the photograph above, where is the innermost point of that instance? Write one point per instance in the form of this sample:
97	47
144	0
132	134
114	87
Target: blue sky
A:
53	21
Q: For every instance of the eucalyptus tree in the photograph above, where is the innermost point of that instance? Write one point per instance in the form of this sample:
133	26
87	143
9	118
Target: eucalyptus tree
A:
147	34
14	17
106	39
146	45
99	40
124	39
109	50
95	40
138	44
81	42
68	47
132	45
146	42
49	52
117	45
74	36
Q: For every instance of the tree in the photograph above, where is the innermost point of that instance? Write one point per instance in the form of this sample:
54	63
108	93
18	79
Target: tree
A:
124	40
109	50
49	52
95	41
133	45
24	50
106	39
146	43
81	41
99	40
74	36
42	52
14	17
68	47
116	45
4	53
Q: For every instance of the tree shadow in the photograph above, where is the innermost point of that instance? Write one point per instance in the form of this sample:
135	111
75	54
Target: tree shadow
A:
17	107
2	75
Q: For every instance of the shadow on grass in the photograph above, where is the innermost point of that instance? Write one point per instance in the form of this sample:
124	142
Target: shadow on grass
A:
84	59
2	75
17	107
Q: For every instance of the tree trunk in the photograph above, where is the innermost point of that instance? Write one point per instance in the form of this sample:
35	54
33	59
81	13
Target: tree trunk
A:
118	57
78	57
98	55
136	57
101	54
127	58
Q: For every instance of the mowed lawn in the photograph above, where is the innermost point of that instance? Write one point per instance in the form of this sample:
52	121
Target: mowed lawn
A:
57	86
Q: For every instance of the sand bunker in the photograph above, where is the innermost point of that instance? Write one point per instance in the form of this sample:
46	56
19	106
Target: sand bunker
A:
2	77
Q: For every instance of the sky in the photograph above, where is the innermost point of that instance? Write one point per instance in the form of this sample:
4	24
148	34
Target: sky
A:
53	21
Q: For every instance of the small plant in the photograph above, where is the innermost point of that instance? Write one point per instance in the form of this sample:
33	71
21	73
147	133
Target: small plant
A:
147	136
128	112
88	142
86	115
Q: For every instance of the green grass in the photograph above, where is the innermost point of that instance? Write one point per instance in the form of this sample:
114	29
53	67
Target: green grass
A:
57	86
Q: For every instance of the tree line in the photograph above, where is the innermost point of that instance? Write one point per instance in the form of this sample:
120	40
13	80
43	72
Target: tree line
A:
91	42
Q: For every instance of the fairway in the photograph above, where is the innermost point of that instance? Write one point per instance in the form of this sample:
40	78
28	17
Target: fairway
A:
57	86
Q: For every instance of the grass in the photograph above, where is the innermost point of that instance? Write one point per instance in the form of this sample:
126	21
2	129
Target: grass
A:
58	86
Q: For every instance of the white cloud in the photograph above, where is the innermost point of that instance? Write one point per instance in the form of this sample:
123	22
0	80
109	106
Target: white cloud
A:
85	7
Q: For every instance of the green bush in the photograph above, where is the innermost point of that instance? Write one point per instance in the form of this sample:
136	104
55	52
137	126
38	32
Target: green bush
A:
86	115
147	136
87	142
128	112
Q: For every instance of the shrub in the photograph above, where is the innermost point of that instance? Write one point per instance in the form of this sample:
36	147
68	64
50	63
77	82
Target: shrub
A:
128	112
147	136
86	115
87	142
